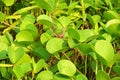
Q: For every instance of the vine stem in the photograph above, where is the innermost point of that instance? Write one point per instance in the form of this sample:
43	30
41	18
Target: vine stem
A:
11	27
96	68
33	75
85	64
110	70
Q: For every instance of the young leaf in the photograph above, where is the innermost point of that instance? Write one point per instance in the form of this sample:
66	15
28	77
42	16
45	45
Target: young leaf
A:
45	75
66	67
101	75
44	19
15	54
48	5
105	50
55	45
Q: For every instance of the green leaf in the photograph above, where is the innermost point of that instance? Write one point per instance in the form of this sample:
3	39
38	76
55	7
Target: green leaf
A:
24	59
44	19
3	46
18	71
45	75
73	33
85	34
116	78
71	43
108	15
8	2
2	16
3	55
15	54
116	69
30	27
26	67
24	36
45	37
63	22
66	67
48	5
29	18
81	77
23	10
42	53
105	50
85	48
101	75
9	37
59	76
40	64
113	21
55	45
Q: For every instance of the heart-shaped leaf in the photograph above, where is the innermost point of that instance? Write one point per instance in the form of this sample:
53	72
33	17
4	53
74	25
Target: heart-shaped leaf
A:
104	50
66	67
15	54
55	45
101	75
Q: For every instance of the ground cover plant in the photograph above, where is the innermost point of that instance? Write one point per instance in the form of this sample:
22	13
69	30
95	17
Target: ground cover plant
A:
59	40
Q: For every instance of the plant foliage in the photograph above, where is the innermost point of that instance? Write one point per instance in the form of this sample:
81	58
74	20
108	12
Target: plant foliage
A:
59	39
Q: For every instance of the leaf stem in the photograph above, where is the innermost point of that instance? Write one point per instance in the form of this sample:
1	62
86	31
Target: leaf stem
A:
6	65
